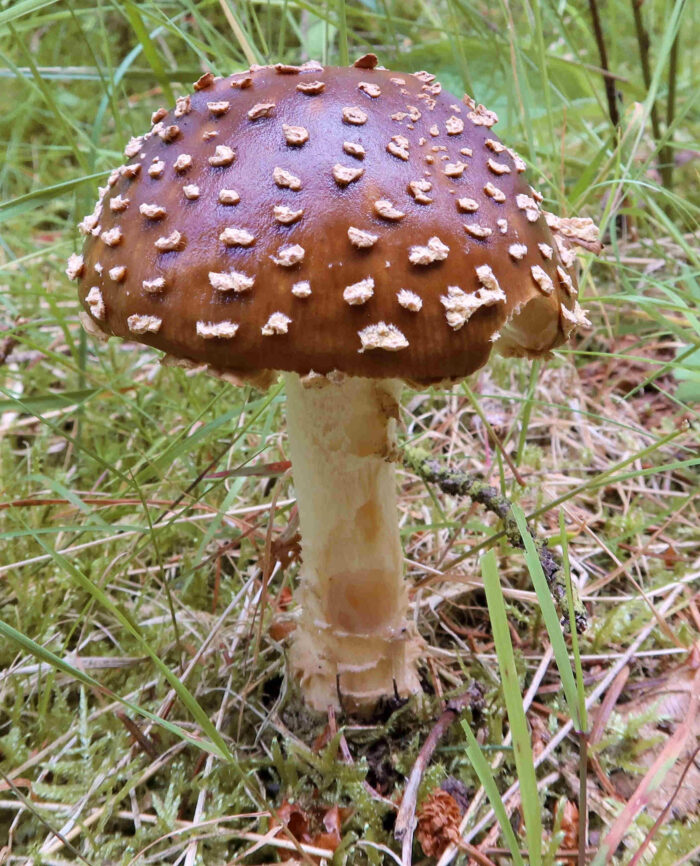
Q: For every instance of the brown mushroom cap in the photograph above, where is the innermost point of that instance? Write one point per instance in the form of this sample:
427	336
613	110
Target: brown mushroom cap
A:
320	219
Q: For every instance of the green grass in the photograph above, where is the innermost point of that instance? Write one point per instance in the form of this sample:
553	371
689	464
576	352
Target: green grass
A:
145	713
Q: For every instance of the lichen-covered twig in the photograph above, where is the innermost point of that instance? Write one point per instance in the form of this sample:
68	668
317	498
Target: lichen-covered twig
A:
469	484
406	818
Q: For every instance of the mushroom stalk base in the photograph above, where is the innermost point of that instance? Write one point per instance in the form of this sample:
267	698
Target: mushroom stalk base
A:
352	642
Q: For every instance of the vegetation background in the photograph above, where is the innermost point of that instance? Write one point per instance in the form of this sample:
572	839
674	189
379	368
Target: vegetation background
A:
145	716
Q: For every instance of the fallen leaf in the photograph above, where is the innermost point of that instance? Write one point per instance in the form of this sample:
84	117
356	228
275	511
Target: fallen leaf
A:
675	705
670	703
295	820
305	826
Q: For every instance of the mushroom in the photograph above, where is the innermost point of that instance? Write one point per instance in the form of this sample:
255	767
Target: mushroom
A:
350	286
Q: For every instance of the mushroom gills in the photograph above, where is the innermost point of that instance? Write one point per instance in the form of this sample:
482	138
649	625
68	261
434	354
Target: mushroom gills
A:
532	330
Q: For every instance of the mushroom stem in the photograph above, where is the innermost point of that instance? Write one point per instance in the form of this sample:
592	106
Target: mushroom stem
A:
352	641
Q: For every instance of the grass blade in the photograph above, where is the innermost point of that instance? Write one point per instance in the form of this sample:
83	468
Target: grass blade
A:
36	198
47	402
483	771
24	7
45	655
149	49
125	619
522	746
551	619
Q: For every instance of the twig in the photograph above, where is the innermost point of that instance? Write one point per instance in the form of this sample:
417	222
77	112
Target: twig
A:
643	43
665	158
144	741
603	54
406	820
561	854
7	344
267	571
475	853
471	485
